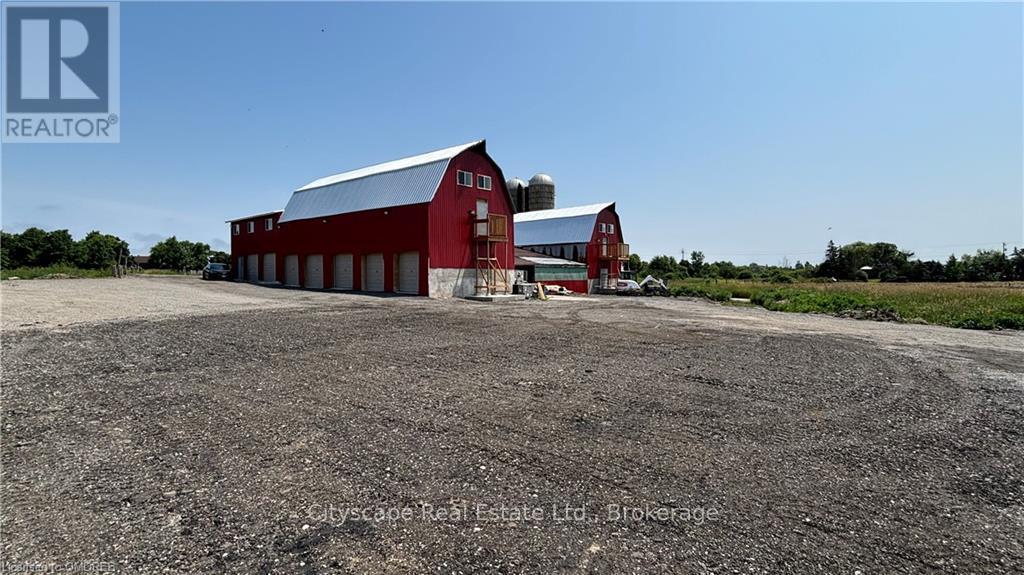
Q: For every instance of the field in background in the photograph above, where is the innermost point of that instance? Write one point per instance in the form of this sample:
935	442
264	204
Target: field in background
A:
991	305
71	272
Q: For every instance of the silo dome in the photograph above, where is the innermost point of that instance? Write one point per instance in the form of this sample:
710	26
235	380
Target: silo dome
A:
542	179
542	192
514	183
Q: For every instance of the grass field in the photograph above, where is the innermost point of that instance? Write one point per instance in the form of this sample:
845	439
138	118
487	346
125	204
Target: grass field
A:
995	305
60	271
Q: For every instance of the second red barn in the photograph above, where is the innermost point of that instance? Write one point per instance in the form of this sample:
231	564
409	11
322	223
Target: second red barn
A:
436	224
589	234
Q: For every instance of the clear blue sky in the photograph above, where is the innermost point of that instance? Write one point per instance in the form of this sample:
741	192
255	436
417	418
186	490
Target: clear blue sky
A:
743	130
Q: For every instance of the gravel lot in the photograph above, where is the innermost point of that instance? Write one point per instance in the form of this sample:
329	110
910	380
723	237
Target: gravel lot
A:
167	425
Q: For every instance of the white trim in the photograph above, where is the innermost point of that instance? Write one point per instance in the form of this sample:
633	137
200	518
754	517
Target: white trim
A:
458	176
250	227
268	224
485	177
602	228
611	228
236	229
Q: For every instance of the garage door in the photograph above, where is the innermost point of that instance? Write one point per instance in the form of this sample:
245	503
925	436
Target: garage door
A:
291	270
270	267
409	272
343	271
315	271
373	272
252	268
240	268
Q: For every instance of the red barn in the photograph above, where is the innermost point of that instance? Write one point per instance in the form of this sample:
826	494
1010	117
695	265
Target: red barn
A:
588	234
438	224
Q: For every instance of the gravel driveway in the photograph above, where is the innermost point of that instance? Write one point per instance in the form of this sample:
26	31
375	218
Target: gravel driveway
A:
167	425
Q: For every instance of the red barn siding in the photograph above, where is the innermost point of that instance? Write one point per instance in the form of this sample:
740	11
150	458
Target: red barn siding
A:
440	231
451	240
594	264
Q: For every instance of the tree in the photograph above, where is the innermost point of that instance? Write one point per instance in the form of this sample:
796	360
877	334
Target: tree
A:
97	251
225	258
58	248
169	254
953	271
662	266
697	263
832	265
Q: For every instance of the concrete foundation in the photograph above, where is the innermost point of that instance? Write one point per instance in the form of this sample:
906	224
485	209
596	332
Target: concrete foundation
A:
451	282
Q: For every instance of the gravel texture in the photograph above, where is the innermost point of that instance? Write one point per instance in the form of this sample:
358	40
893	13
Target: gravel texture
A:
165	425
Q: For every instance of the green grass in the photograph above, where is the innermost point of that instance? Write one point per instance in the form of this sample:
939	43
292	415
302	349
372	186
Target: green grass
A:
995	305
58	271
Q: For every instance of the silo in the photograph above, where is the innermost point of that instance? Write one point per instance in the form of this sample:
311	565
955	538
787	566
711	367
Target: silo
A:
518	190
542	193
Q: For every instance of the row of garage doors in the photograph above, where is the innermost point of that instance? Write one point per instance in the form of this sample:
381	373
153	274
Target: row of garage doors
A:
372	268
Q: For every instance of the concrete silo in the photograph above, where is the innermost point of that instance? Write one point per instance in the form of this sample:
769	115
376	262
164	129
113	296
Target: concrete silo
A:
541	193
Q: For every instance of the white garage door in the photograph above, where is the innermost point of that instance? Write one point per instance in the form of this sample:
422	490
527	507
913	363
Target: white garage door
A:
291	270
240	268
343	271
373	272
270	267
409	272
252	267
315	271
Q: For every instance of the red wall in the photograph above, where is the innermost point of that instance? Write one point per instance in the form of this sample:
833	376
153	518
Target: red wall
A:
451	244
441	231
594	264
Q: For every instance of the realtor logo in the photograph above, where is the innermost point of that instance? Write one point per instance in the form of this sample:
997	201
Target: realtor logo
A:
62	72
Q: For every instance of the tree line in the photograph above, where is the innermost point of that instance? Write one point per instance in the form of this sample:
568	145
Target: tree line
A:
35	247
858	261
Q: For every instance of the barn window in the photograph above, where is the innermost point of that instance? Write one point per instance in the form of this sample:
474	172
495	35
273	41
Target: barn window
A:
483	182
611	228
465	178
268	224
602	227
236	229
250	227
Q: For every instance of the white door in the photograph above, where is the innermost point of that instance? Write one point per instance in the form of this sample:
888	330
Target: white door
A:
409	273
481	214
270	267
240	268
343	271
315	271
604	278
252	268
373	272
291	270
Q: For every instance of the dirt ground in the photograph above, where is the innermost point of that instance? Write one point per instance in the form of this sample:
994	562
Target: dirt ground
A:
168	425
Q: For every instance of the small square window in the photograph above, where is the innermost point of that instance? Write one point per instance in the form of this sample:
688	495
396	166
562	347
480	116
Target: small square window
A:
250	227
601	227
268	224
483	182
236	229
465	178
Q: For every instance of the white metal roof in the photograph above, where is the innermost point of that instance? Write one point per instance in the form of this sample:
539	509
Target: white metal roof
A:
558	226
412	180
588	210
259	215
401	164
546	261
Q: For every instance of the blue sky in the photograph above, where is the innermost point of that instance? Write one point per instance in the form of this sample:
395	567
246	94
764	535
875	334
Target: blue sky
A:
743	130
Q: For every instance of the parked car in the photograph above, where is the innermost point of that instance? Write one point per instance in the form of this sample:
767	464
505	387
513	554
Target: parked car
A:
627	287
215	271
